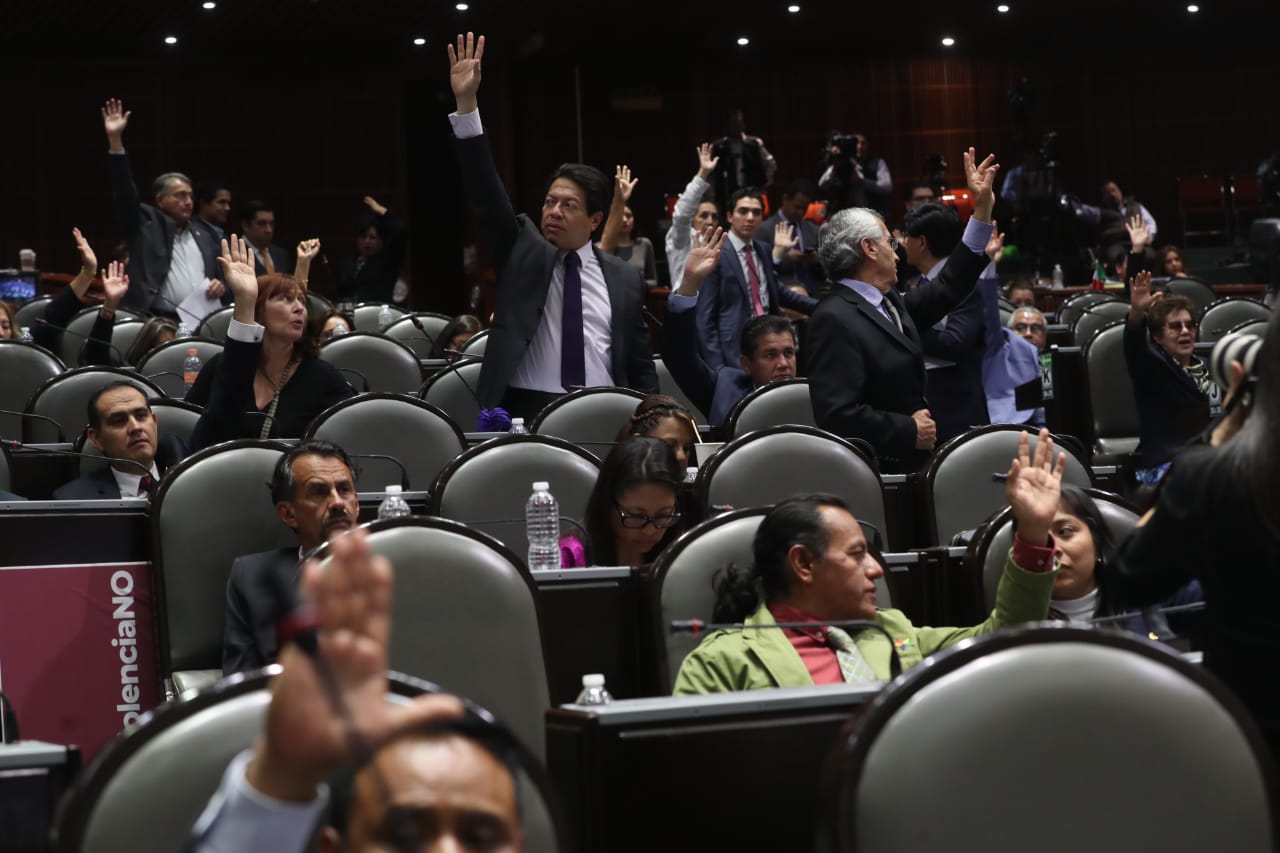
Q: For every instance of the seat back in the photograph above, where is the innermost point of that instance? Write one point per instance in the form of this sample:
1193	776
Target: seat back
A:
164	364
667	385
1074	306
161	773
421	342
366	315
453	391
476	344
1111	400
780	403
123	334
1096	317
589	418
1120	732
80	327
1200	294
1252	327
317	304
6	468
385	364
173	417
65	399
489	485
24	368
989	549
465	616
959	484
1224	315
219	500
682	580
214	327
416	434
767	466
26	314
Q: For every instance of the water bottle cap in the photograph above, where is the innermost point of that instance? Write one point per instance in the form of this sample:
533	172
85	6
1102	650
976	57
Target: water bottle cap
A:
193	351
541	486
515	421
691	470
394	489
594	679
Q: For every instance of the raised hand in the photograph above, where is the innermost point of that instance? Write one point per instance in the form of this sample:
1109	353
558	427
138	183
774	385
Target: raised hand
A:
236	261
114	119
981	180
372	203
706	163
1138	234
623	183
308	249
1140	296
995	243
305	737
784	240
115	284
88	260
704	254
464	71
1033	487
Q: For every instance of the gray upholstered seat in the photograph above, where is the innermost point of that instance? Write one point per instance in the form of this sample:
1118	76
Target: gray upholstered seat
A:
420	436
1252	327
776	404
1111	399
385	364
6	468
1074	306
492	482
453	391
589	418
148	788
164	364
668	385
23	369
173	417
366	315
79	327
990	548
1200	294
421	342
1226	314
123	334
476	343
767	466
961	492
26	314
465	616
65	398
214	327
317	304
212	508
1164	757
1096	317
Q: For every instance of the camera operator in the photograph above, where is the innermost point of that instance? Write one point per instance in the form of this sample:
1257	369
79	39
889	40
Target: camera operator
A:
743	161
853	178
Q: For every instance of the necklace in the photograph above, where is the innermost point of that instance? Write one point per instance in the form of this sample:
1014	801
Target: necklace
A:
269	421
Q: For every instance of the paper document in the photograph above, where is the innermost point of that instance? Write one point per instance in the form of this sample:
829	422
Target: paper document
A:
196	307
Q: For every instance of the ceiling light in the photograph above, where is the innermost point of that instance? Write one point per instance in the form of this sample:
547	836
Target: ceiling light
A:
1193	8
419	41
793	9
209	4
1002	9
947	41
744	41
462	7
170	39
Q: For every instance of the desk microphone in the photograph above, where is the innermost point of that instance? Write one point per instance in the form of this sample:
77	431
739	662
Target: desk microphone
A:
43	322
62	438
178	310
696	626
363	379
644	309
17	445
404	472
455	369
417	324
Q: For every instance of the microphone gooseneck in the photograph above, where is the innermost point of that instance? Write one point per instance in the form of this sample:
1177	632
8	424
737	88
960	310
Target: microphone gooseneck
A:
56	425
17	445
43	322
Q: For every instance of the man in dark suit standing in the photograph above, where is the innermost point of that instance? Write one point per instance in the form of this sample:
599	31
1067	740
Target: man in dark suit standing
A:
258	225
123	427
742	161
800	263
866	369
313	489
568	316
744	284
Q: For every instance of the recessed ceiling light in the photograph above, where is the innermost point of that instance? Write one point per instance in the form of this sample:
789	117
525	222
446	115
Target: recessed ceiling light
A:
947	41
462	7
1002	9
1193	8
170	39
744	41
209	4
419	41
793	9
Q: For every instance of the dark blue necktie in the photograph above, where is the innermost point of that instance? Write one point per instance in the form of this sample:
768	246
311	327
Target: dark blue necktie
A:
573	364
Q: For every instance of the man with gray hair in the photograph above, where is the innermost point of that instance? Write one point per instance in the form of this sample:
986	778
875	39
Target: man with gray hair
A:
866	368
169	256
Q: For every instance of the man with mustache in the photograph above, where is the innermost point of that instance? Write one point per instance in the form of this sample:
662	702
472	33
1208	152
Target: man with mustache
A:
314	492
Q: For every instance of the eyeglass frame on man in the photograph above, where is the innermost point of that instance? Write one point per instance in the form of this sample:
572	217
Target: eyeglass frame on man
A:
645	520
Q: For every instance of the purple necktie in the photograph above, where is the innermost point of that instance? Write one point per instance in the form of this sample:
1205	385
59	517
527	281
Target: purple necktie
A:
573	363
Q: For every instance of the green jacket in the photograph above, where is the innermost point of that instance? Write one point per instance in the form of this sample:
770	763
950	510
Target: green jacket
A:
749	660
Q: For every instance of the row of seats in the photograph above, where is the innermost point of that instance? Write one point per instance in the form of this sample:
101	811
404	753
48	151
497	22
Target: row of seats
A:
1088	313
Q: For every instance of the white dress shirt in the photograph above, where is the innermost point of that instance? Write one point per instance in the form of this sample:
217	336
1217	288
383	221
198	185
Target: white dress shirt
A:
186	269
680	235
130	480
740	248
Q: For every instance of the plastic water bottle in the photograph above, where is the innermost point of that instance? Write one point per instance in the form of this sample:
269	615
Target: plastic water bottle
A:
191	367
593	692
26	335
690	474
340	329
385	317
542	525
184	331
1057	276
393	505
518	427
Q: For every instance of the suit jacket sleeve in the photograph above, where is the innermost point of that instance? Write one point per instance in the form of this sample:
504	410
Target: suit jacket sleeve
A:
97	350
226	395
124	193
1021	596
239	650
788	298
57	314
960	337
930	302
837	373
683	358
708	316
642	376
488	197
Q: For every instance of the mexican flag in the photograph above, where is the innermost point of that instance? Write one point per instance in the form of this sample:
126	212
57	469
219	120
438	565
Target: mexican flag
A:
1099	276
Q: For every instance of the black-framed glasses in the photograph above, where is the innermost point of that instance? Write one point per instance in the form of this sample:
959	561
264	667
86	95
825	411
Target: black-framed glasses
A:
638	520
1179	325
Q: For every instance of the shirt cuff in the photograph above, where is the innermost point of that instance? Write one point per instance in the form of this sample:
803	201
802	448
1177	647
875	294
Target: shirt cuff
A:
976	235
239	817
246	333
1033	558
679	302
466	125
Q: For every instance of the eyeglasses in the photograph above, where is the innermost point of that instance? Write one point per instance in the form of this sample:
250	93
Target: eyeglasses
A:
638	520
1179	325
1028	327
568	205
893	242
